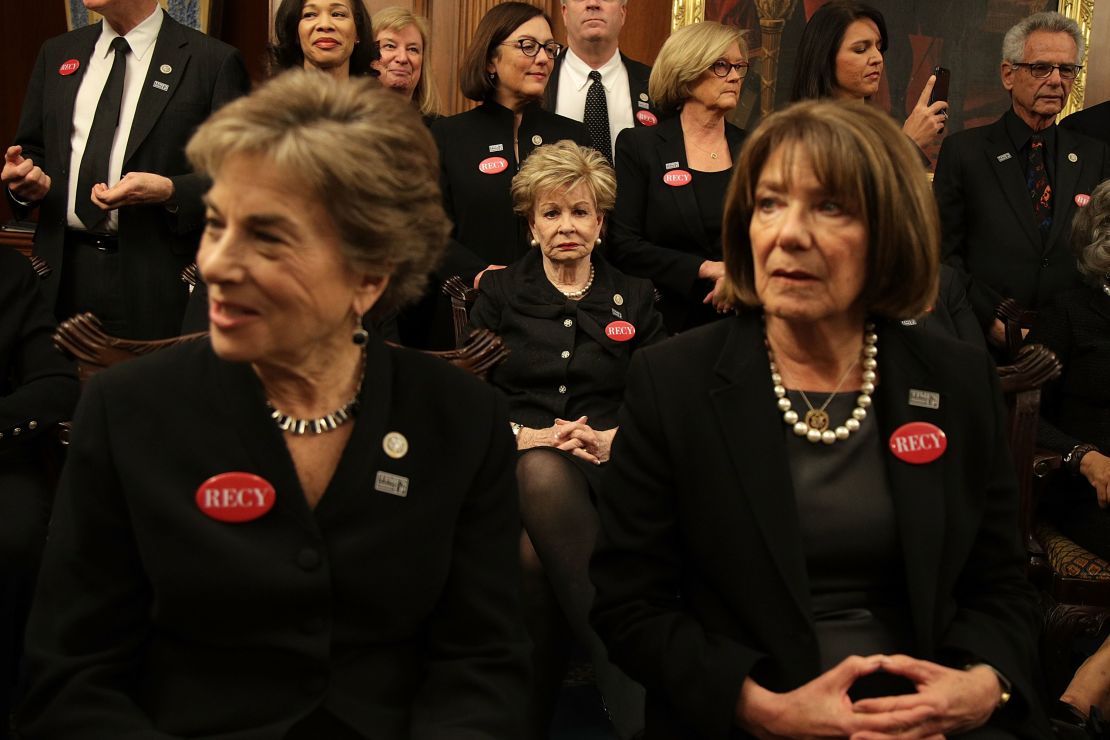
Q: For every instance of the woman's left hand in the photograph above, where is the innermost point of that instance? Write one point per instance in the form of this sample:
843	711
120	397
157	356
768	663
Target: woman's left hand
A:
963	700
717	296
926	122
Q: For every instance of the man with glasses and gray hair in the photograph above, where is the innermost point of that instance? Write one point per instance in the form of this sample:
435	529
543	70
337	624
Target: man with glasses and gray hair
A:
1007	191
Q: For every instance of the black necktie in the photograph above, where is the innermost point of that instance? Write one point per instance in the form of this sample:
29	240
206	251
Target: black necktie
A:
98	149
596	117
1036	178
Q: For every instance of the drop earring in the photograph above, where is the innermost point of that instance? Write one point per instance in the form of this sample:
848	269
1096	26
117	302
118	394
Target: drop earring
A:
360	335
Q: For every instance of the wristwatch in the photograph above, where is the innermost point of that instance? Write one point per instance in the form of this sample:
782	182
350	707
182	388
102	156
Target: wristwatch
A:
1003	682
1075	456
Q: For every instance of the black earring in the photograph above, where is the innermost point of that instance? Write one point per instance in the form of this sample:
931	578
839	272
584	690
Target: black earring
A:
360	335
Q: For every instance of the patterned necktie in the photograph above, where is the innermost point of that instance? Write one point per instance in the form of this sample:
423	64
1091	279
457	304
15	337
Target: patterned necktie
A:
596	117
1037	180
98	148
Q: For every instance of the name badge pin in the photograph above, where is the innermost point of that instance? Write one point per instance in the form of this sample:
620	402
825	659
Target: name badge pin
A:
159	85
496	148
646	118
395	445
909	322
644	104
394	485
924	399
69	66
671	166
493	165
1082	199
235	497
1004	156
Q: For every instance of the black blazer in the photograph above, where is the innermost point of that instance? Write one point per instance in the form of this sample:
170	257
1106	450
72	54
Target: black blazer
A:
398	614
988	227
656	231
522	306
487	232
1093	121
155	244
951	313
638	76
38	385
699	566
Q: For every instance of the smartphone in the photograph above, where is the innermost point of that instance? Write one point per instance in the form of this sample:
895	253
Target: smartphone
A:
940	89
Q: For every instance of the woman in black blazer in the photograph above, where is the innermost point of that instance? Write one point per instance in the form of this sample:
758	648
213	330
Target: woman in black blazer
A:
506	69
571	323
672	177
289	531
781	559
1075	408
38	389
334	37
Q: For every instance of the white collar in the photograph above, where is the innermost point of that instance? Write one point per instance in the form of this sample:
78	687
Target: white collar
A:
141	38
580	71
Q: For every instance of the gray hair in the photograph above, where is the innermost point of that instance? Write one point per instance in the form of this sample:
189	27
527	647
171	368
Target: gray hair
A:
1090	237
1013	44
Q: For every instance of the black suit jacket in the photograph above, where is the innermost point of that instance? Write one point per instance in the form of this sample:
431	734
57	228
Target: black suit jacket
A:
638	76
656	231
1093	121
155	244
487	232
397	614
699	567
987	218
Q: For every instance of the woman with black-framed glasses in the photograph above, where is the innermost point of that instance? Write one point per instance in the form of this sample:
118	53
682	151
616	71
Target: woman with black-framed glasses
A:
672	177
506	69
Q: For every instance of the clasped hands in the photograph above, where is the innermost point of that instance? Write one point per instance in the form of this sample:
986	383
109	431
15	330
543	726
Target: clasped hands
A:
948	701
30	184
576	437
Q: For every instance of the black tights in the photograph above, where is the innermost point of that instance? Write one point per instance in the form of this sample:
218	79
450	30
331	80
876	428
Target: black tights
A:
560	527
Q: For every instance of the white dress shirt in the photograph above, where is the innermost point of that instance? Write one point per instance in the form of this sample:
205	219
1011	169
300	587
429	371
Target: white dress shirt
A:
574	82
141	38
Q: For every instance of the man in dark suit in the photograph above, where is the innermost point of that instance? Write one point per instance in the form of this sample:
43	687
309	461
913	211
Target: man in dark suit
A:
593	35
120	209
1093	121
1007	191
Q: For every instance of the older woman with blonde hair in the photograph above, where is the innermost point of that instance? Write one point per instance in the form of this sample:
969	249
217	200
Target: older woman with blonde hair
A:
402	38
673	176
289	529
810	524
571	322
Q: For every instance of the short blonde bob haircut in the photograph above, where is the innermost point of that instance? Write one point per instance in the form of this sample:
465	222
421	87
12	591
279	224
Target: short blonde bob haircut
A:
359	150
563	165
863	161
687	54
393	18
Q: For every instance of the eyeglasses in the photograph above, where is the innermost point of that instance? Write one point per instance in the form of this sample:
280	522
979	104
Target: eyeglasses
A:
721	68
1040	70
531	47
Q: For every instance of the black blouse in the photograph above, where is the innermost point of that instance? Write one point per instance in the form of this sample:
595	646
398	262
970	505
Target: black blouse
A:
562	364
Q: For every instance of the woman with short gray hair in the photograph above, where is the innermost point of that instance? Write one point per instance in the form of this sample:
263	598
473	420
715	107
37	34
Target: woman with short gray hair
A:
1075	409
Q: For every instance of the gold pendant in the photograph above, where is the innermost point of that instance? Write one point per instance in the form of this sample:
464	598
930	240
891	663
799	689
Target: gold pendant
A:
713	155
817	419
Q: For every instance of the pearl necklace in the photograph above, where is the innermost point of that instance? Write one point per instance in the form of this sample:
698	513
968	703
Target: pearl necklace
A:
576	294
815	426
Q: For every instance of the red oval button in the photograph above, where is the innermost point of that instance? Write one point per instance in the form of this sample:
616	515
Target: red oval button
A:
918	442
235	497
493	165
1082	199
677	178
620	331
646	118
69	66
